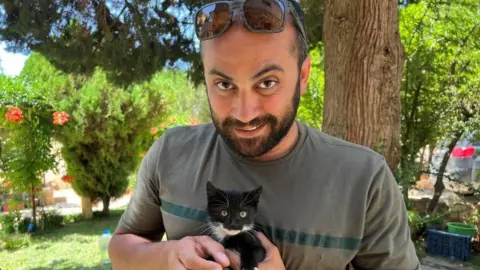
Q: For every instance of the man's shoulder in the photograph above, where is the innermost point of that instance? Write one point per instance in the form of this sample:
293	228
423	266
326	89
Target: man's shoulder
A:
183	138
188	134
342	151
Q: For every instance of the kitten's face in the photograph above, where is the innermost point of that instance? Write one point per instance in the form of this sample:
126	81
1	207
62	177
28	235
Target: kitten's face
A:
231	212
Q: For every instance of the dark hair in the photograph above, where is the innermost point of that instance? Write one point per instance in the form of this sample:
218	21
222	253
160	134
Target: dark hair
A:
300	48
301	44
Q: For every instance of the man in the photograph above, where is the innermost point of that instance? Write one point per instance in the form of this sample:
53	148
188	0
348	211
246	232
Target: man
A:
325	204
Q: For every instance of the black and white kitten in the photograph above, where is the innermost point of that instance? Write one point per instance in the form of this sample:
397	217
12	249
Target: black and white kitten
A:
232	221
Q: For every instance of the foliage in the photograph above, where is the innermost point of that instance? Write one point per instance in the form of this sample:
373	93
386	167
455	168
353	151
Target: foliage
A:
130	40
27	147
10	221
26	138
440	85
109	126
50	220
419	224
311	104
14	241
314	12
72	218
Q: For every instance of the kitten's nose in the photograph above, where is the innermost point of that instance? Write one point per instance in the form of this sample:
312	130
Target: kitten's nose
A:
235	226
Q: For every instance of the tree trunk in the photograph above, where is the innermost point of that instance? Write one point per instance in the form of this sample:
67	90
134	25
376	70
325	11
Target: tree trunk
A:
87	208
431	147
439	187
422	158
363	67
34	206
106	205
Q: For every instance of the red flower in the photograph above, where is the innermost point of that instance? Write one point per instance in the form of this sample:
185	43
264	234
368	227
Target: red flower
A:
192	121
153	131
164	125
68	179
7	184
14	114
171	119
128	191
60	118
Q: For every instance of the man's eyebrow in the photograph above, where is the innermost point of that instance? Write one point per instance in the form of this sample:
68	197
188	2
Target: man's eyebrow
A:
266	70
221	74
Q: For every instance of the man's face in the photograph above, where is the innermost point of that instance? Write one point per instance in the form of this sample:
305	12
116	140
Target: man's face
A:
253	86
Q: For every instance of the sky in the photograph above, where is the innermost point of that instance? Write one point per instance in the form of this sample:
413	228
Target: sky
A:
11	63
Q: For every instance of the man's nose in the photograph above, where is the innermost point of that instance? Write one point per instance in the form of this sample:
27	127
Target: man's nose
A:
246	106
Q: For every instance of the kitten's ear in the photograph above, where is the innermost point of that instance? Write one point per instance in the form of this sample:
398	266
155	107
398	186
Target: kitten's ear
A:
211	189
254	195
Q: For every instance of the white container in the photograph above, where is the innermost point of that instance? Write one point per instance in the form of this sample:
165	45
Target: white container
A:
103	245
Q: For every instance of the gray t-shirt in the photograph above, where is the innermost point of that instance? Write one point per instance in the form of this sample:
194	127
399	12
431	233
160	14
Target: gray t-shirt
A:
326	204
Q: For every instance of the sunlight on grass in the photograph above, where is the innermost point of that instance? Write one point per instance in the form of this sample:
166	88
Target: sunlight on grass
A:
74	246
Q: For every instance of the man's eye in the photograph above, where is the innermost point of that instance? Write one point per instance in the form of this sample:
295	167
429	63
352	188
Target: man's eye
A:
224	85
268	84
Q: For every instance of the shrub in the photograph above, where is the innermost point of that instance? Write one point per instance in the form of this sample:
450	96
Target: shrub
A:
14	241
10	221
72	218
50	220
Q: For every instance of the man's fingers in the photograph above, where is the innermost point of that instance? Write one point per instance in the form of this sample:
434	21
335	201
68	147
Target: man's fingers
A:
178	265
234	259
214	249
269	247
193	261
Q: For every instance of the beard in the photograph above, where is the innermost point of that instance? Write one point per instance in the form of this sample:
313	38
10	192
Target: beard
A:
277	128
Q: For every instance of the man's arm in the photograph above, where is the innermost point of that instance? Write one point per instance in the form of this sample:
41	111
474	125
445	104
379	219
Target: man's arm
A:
132	244
386	243
130	251
135	243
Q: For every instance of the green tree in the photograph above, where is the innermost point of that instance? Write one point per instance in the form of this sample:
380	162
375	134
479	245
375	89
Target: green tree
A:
107	128
129	40
440	89
311	105
26	137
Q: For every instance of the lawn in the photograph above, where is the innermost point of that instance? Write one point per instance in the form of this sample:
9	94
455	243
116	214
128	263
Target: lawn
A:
74	246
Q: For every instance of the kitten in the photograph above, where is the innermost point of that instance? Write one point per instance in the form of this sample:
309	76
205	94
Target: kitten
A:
232	216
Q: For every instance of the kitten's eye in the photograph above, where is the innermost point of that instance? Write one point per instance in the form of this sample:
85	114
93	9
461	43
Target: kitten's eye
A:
243	214
224	213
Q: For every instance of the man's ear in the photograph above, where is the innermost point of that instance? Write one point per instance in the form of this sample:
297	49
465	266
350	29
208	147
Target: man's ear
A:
305	74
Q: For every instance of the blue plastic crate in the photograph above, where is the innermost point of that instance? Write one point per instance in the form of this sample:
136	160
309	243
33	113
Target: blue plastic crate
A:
450	245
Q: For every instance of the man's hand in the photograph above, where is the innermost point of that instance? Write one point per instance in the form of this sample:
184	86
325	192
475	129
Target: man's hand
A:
191	253
273	260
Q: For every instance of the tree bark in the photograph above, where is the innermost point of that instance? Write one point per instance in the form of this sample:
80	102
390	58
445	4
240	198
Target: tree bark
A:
34	206
106	205
87	208
439	187
363	69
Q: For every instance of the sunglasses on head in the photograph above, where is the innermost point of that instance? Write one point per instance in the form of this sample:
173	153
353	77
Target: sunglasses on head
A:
262	16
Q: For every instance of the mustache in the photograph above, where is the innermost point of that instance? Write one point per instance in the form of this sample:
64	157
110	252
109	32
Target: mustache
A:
231	122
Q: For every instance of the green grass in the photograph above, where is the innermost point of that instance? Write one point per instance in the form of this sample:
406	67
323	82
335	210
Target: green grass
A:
74	246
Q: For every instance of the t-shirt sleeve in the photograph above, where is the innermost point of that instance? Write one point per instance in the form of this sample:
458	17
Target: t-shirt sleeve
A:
386	242
143	216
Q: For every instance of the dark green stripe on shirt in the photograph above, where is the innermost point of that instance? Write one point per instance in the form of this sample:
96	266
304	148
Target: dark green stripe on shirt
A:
282	235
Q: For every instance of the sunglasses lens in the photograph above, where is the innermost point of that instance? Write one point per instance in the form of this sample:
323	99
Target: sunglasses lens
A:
264	14
212	20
